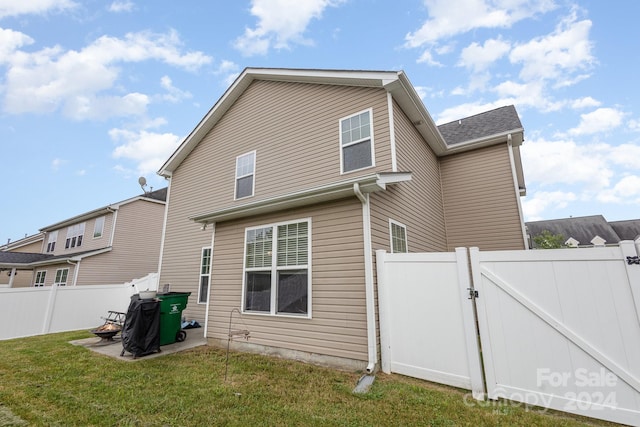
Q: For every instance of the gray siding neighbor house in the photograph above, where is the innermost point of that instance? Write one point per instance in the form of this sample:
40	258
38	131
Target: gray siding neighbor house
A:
280	195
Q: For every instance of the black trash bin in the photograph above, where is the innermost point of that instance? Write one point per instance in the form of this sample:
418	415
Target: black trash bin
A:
141	331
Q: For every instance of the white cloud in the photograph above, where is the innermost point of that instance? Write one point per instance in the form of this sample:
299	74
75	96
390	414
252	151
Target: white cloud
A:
173	93
469	109
148	150
56	163
230	69
280	23
584	102
557	55
121	6
17	7
533	206
447	20
479	58
626	191
76	81
600	120
10	41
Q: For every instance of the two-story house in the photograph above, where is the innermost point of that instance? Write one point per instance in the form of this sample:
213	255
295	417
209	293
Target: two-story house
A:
112	244
281	194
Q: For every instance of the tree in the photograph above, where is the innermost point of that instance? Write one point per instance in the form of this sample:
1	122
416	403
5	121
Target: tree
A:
547	240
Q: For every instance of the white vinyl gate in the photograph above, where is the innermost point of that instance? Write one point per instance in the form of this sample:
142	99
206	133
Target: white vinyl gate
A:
558	328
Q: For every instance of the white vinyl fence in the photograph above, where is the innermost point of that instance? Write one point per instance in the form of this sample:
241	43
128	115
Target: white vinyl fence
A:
557	329
34	311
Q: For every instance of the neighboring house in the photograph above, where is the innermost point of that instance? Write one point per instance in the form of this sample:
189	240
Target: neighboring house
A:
586	231
113	244
281	194
28	244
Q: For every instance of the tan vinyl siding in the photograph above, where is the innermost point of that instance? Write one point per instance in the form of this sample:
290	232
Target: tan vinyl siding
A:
51	273
418	203
34	248
294	129
88	242
480	200
338	323
136	246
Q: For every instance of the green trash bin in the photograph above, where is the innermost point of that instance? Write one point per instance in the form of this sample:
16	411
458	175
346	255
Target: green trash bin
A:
171	306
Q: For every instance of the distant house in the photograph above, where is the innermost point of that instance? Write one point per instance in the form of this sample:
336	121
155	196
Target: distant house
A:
112	244
281	194
586	231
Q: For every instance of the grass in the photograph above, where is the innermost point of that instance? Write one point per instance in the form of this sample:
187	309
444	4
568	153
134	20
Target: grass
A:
44	380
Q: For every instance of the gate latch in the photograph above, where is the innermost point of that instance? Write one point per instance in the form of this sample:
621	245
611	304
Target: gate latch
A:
473	294
633	260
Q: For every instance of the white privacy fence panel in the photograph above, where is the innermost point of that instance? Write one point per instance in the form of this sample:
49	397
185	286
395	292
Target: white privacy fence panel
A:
34	311
427	326
560	329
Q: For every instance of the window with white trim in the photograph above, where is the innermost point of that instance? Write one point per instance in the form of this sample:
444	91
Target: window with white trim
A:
40	277
74	236
51	242
356	142
398	236
98	227
245	176
205	273
61	277
277	264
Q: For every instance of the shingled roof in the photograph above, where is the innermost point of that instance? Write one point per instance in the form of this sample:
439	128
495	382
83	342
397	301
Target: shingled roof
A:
585	228
495	122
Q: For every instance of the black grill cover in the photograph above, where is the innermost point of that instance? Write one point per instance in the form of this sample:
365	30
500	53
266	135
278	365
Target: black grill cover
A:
141	330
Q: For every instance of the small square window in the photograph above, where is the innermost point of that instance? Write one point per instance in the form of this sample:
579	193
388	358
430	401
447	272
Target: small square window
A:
398	235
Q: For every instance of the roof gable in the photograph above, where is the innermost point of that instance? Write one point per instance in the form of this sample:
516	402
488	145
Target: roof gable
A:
394	82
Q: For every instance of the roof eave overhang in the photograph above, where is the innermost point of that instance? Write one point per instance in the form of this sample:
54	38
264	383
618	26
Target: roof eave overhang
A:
340	190
56	260
79	218
517	137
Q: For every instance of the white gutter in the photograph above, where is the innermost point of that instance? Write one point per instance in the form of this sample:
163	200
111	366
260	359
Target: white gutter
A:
517	190
113	226
372	347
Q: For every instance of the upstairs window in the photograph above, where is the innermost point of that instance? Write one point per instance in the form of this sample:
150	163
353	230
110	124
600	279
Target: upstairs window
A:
74	236
51	242
40	276
205	273
277	263
245	168
356	142
398	235
98	227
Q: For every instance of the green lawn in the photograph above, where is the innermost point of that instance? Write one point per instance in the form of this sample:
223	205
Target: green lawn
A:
45	380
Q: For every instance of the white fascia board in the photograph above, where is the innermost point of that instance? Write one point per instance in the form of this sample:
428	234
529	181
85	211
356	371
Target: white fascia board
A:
486	141
335	191
79	218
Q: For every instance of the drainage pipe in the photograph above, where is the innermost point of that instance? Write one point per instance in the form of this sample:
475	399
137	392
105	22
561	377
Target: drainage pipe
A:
372	349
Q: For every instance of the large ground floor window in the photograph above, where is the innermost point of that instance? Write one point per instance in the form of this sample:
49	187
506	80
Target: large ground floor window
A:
277	276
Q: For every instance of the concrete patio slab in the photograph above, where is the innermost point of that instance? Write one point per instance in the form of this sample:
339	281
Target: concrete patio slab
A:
113	348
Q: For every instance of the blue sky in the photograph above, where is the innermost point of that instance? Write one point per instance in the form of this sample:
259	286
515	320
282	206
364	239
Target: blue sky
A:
94	94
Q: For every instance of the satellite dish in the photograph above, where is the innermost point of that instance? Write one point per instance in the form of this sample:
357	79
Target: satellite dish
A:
142	181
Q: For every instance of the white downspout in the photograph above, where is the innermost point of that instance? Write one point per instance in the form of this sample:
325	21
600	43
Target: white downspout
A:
164	230
206	312
76	270
517	190
368	280
12	274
